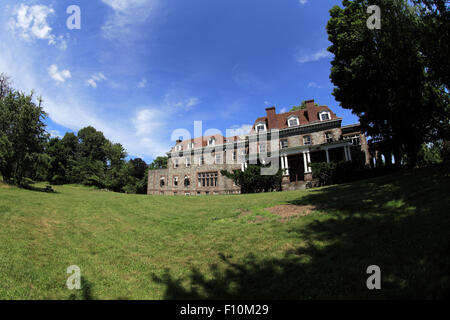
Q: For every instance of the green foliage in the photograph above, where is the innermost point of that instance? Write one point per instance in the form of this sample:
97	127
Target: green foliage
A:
301	106
429	154
159	163
383	77
251	180
22	138
324	172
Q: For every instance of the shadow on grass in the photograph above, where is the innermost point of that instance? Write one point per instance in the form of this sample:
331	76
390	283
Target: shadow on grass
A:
47	189
398	222
85	293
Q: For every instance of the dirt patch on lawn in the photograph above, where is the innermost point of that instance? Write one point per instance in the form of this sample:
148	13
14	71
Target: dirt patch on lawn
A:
290	211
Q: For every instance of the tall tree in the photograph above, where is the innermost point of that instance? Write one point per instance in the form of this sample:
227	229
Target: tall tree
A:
22	137
5	85
381	75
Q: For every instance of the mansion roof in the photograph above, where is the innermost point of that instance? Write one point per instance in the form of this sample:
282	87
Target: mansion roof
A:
311	114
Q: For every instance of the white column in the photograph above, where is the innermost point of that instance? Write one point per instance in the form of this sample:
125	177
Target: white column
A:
349	153
308	155
304	162
242	167
345	153
282	162
287	165
328	155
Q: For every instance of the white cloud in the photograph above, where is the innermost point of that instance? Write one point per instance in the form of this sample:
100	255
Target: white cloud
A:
57	75
283	110
302	1
239	130
125	14
142	83
321	54
30	22
55	134
267	103
312	84
174	102
150	129
95	78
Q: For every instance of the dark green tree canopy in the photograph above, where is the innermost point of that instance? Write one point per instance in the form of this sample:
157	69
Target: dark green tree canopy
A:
382	76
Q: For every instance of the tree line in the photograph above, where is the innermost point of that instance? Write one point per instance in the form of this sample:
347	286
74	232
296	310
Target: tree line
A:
28	153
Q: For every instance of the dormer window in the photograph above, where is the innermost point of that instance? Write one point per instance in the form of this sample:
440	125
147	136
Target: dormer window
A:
260	127
190	145
178	147
293	121
211	141
324	115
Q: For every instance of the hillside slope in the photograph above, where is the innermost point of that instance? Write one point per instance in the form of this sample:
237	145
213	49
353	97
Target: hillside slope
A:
156	247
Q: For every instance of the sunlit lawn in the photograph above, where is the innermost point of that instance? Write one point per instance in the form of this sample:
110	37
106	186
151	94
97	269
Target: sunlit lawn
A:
156	247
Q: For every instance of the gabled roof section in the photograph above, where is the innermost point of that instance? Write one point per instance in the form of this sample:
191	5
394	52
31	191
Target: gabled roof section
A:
305	116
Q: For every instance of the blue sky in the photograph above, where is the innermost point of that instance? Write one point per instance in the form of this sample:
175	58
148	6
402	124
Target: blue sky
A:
138	69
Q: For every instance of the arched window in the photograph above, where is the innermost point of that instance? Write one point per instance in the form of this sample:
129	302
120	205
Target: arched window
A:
292	121
324	115
187	181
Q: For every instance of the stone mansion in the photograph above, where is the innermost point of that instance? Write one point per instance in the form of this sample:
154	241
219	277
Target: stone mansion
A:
312	134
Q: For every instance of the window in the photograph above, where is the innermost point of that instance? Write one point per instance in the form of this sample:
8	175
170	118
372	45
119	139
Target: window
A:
263	147
284	143
293	121
187	181
201	160
355	139
162	182
324	115
307	140
187	193
234	156
175	193
175	181
178	148
190	145
175	163
218	158
188	162
260	128
211	141
328	137
207	179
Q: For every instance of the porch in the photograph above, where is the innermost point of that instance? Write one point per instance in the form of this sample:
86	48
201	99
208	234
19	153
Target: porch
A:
296	162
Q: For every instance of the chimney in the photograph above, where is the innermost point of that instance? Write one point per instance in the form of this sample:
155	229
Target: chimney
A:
179	141
271	118
312	111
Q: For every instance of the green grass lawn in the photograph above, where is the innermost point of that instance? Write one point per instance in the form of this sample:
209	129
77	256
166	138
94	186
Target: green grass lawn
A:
164	247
